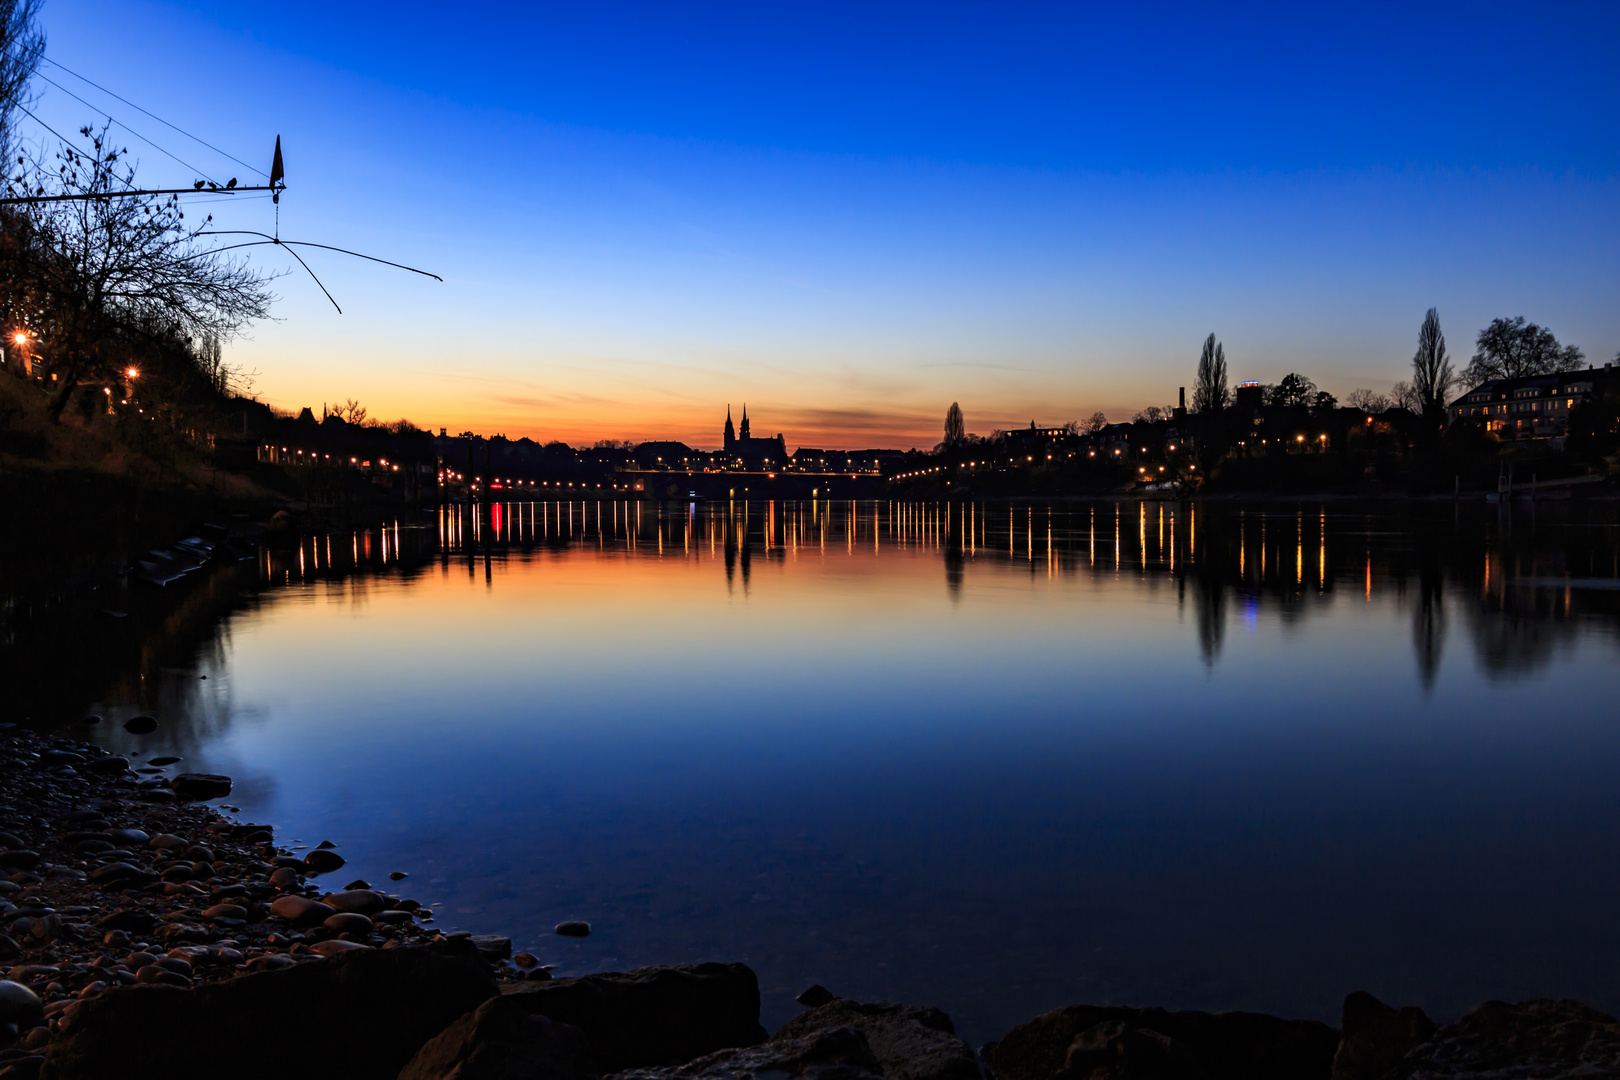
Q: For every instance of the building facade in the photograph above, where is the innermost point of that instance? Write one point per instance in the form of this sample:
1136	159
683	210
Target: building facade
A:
1534	406
742	449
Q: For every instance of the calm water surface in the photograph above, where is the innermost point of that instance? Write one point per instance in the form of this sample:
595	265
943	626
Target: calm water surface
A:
994	759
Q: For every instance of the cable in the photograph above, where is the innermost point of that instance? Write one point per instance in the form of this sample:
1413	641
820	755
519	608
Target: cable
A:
154	116
125	126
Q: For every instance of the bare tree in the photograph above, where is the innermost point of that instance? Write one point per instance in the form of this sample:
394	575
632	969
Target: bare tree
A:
1432	376
1097	422
22	44
955	428
1406	396
1150	415
126	262
1367	401
1209	390
1512	348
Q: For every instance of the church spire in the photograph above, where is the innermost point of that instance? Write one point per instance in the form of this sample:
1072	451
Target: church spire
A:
731	432
744	432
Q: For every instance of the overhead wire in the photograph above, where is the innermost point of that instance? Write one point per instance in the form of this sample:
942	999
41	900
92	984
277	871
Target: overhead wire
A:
155	116
111	119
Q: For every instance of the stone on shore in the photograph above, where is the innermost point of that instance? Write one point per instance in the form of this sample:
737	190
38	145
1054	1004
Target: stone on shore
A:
502	1040
1374	1037
1499	1041
360	901
140	725
301	910
838	1053
653	1016
201	786
1226	1046
322	861
909	1042
360	1015
19	1005
573	928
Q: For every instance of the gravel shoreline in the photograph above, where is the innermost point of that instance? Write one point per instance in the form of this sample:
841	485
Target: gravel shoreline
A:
115	877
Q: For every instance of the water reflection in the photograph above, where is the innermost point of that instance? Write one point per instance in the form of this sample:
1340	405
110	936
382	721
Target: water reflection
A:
996	757
1523	588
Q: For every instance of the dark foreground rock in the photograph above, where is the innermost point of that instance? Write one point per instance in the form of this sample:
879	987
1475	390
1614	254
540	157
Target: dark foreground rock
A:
1373	1037
361	1015
652	1016
839	1053
909	1042
1222	1046
1541	1038
502	1040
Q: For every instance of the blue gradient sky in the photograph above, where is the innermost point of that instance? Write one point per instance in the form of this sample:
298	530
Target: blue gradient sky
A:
849	216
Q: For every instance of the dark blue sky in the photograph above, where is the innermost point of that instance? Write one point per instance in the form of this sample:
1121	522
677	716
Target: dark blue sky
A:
853	214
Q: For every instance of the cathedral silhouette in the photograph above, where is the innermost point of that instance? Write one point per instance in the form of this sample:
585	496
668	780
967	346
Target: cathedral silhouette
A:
757	454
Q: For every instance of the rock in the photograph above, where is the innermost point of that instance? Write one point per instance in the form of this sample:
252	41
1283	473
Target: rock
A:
492	946
165	760
168	842
398	875
116	765
1113	1050
573	928
19	859
141	725
152	975
838	1053
321	861
201	786
815	995
360	1015
324	845
362	901
653	1016
284	878
19	1005
358	883
301	910
501	1040
1374	1037
1227	1046
118	873
526	960
347	922
130	921
134	837
225	911
392	918
1539	1038
333	946
911	1043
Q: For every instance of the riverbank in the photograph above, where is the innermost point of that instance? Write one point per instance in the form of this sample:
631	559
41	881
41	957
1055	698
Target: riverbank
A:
144	927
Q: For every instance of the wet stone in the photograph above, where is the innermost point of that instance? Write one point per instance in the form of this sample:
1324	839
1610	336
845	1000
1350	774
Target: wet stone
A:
573	928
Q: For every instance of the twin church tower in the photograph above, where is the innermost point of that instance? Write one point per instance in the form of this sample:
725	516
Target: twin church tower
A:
754	453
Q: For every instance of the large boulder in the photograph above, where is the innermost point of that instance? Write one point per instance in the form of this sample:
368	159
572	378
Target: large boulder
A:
361	1015
1113	1050
1227	1046
1374	1037
1539	1038
910	1042
838	1053
653	1016
502	1040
